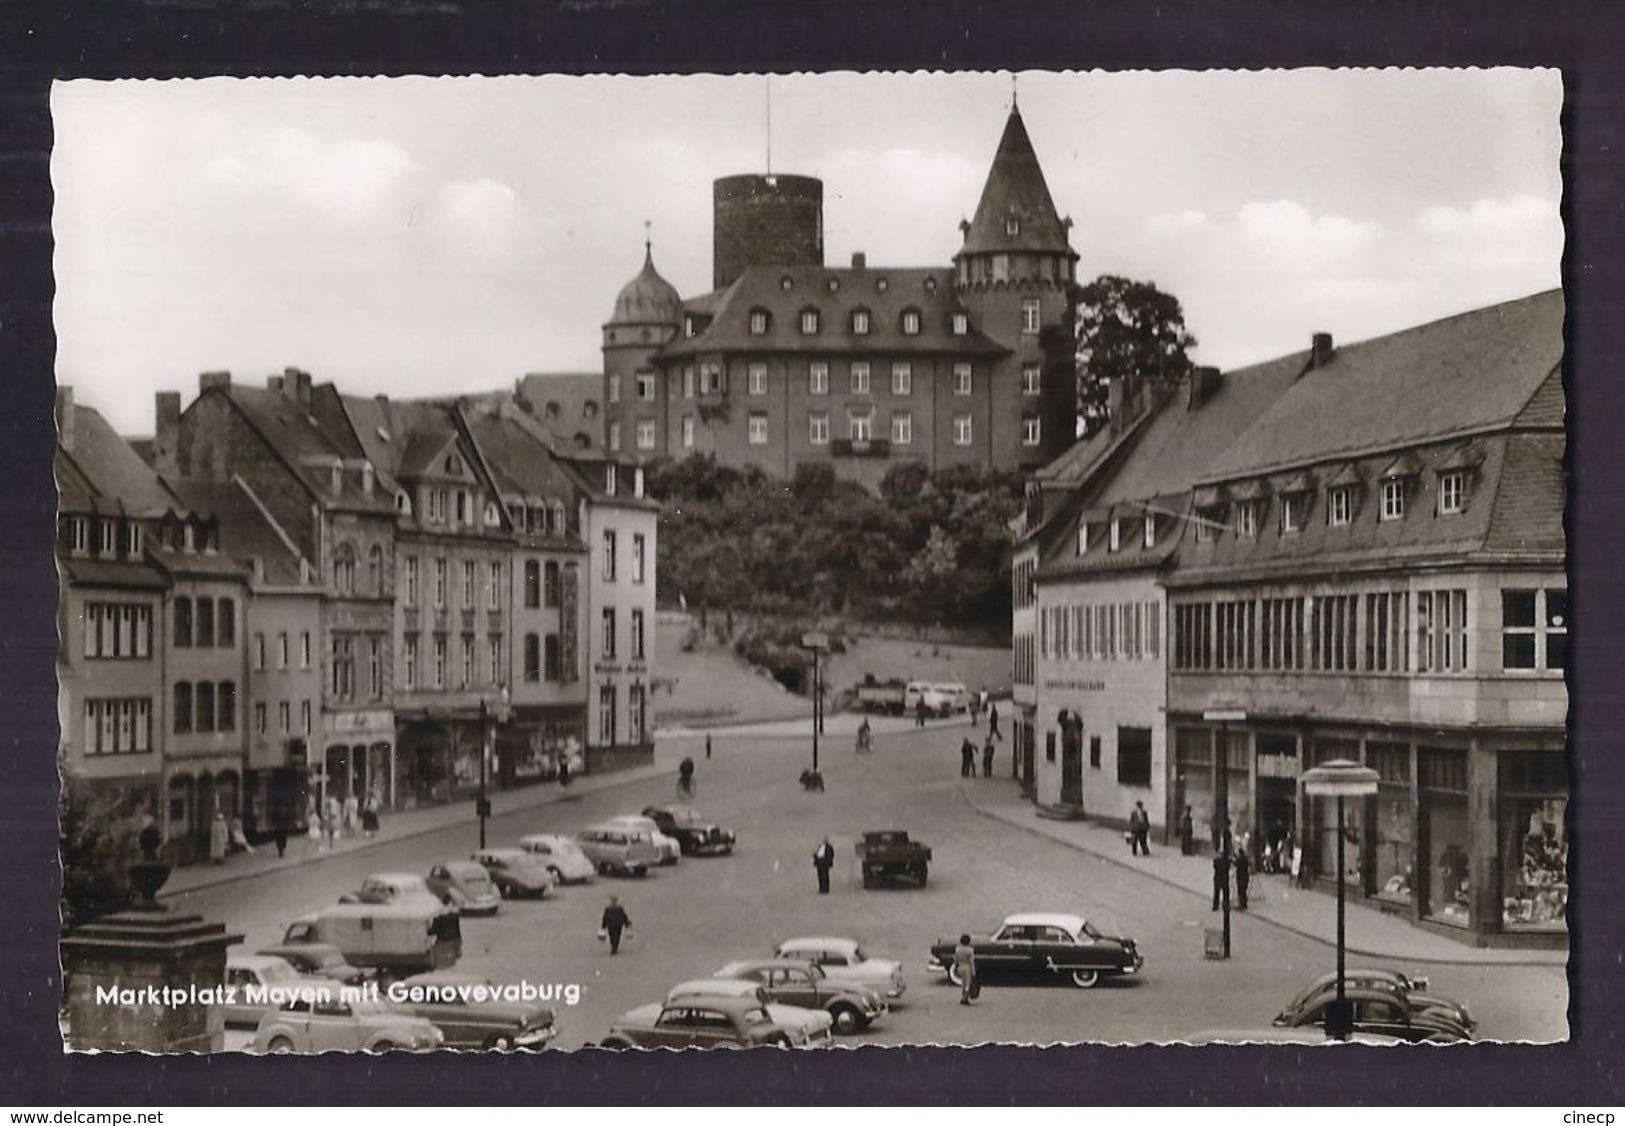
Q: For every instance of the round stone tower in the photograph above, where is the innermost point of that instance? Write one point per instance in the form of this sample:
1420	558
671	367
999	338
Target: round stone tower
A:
765	220
647	313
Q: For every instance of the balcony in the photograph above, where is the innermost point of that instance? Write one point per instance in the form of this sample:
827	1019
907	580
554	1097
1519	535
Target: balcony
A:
860	447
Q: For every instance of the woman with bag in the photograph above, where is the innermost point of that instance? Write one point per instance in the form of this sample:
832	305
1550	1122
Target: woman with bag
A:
965	968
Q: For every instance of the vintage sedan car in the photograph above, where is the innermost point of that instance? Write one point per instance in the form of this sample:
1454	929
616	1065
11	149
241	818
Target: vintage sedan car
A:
343	1026
1385	1012
569	864
516	873
807	1027
1308	1036
698	1022
1414	988
668	848
392	889
317	959
465	885
258	984
615	848
852	1008
695	835
1040	943
469	1013
845	962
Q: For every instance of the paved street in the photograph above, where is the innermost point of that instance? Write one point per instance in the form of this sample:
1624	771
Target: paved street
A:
690	919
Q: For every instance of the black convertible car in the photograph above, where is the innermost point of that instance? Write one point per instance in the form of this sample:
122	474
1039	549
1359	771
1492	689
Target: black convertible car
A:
1044	943
693	833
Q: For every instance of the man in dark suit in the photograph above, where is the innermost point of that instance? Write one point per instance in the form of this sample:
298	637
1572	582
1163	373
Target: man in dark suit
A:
615	921
823	861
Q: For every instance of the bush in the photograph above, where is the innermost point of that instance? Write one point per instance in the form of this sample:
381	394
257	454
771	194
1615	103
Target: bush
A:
97	844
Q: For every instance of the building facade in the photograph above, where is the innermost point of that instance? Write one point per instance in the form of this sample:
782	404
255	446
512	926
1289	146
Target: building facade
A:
790	362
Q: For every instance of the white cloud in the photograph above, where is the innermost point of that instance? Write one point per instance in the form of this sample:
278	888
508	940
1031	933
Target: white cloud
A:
345	180
1295	238
479	220
1178	222
1521	235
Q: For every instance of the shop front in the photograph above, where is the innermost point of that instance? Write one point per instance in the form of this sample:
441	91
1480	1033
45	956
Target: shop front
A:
539	740
357	758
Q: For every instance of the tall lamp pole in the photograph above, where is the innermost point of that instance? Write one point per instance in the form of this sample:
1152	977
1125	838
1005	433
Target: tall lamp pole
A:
1340	778
1223	716
482	804
817	642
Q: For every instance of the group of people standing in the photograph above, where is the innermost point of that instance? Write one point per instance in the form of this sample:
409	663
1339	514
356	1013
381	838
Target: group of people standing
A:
327	822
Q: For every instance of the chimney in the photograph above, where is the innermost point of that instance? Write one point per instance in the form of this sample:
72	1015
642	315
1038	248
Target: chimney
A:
274	383
296	385
210	379
166	441
1320	350
1114	403
860	260
64	417
1202	384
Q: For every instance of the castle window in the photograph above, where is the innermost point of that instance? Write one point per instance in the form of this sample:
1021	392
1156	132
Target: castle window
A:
902	428
818	428
1247	520
930	284
902	379
758	322
757	378
809	322
786	282
614	388
1029	315
1116	534
1340	506
646	434
962	379
1150	533
1012	226
961	324
1031	379
1001	267
1452	492
860	377
646	386
881	284
688	326
834	284
911	322
1291	513
818	378
1031	429
758	429
859	425
962	430
1393	499
860	322
1083	537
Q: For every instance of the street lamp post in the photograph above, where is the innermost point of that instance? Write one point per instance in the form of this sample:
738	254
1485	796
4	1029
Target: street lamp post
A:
817	642
1223	716
482	804
1340	778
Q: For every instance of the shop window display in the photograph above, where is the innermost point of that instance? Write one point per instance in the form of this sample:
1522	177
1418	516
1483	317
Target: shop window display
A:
1193	759
1534	864
1393	844
1448	856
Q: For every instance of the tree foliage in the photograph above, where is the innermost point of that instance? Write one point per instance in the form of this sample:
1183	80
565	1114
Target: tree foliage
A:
931	548
1126	328
97	844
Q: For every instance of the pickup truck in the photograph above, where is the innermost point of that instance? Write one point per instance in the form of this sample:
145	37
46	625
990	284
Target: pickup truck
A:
888	854
883	697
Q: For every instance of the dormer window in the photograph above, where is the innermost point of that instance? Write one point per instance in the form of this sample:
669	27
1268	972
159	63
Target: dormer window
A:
1207	524
1247	520
1083	537
688	327
882	284
759	321
809	322
911	322
403	503
366	478
1393	499
930	284
335	478
786	282
960	324
834	284
493	515
609	479
1116	535
1012	226
860	322
1150	532
1291	513
135	540
78	535
559	527
1340	506
1452	492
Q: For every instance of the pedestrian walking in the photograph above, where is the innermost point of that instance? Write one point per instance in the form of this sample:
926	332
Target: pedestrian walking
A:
965	969
1187	833
615	921
313	824
919	712
1139	823
993	722
967	759
1244	876
708	748
369	814
823	861
330	822
564	771
685	777
352	814
865	737
219	838
1221	876
987	757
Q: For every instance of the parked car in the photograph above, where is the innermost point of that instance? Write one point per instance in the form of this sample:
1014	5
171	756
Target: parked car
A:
886	697
562	855
670	851
1414	988
1038	943
465	885
1385	1012
318	960
695	835
844	962
1309	1036
955	696
852	1008
700	1022
454	1004
807	1026
389	888
615	848
248	975
395	938
343	1026
888	854
515	872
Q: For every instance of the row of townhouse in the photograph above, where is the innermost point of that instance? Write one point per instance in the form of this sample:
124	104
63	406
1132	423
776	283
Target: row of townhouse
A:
1351	553
301	594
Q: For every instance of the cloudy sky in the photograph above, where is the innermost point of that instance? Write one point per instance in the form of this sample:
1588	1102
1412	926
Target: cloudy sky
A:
416	236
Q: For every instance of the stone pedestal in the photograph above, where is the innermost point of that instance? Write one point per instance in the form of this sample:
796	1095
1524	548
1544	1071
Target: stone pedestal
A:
145	981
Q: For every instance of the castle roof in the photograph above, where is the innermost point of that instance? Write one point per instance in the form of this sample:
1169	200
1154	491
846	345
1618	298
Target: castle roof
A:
1015	189
647	299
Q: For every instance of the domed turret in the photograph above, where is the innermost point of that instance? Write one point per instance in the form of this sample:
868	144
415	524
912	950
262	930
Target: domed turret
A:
647	299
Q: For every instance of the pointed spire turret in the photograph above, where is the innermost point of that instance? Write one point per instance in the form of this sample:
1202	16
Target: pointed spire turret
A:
1016	212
